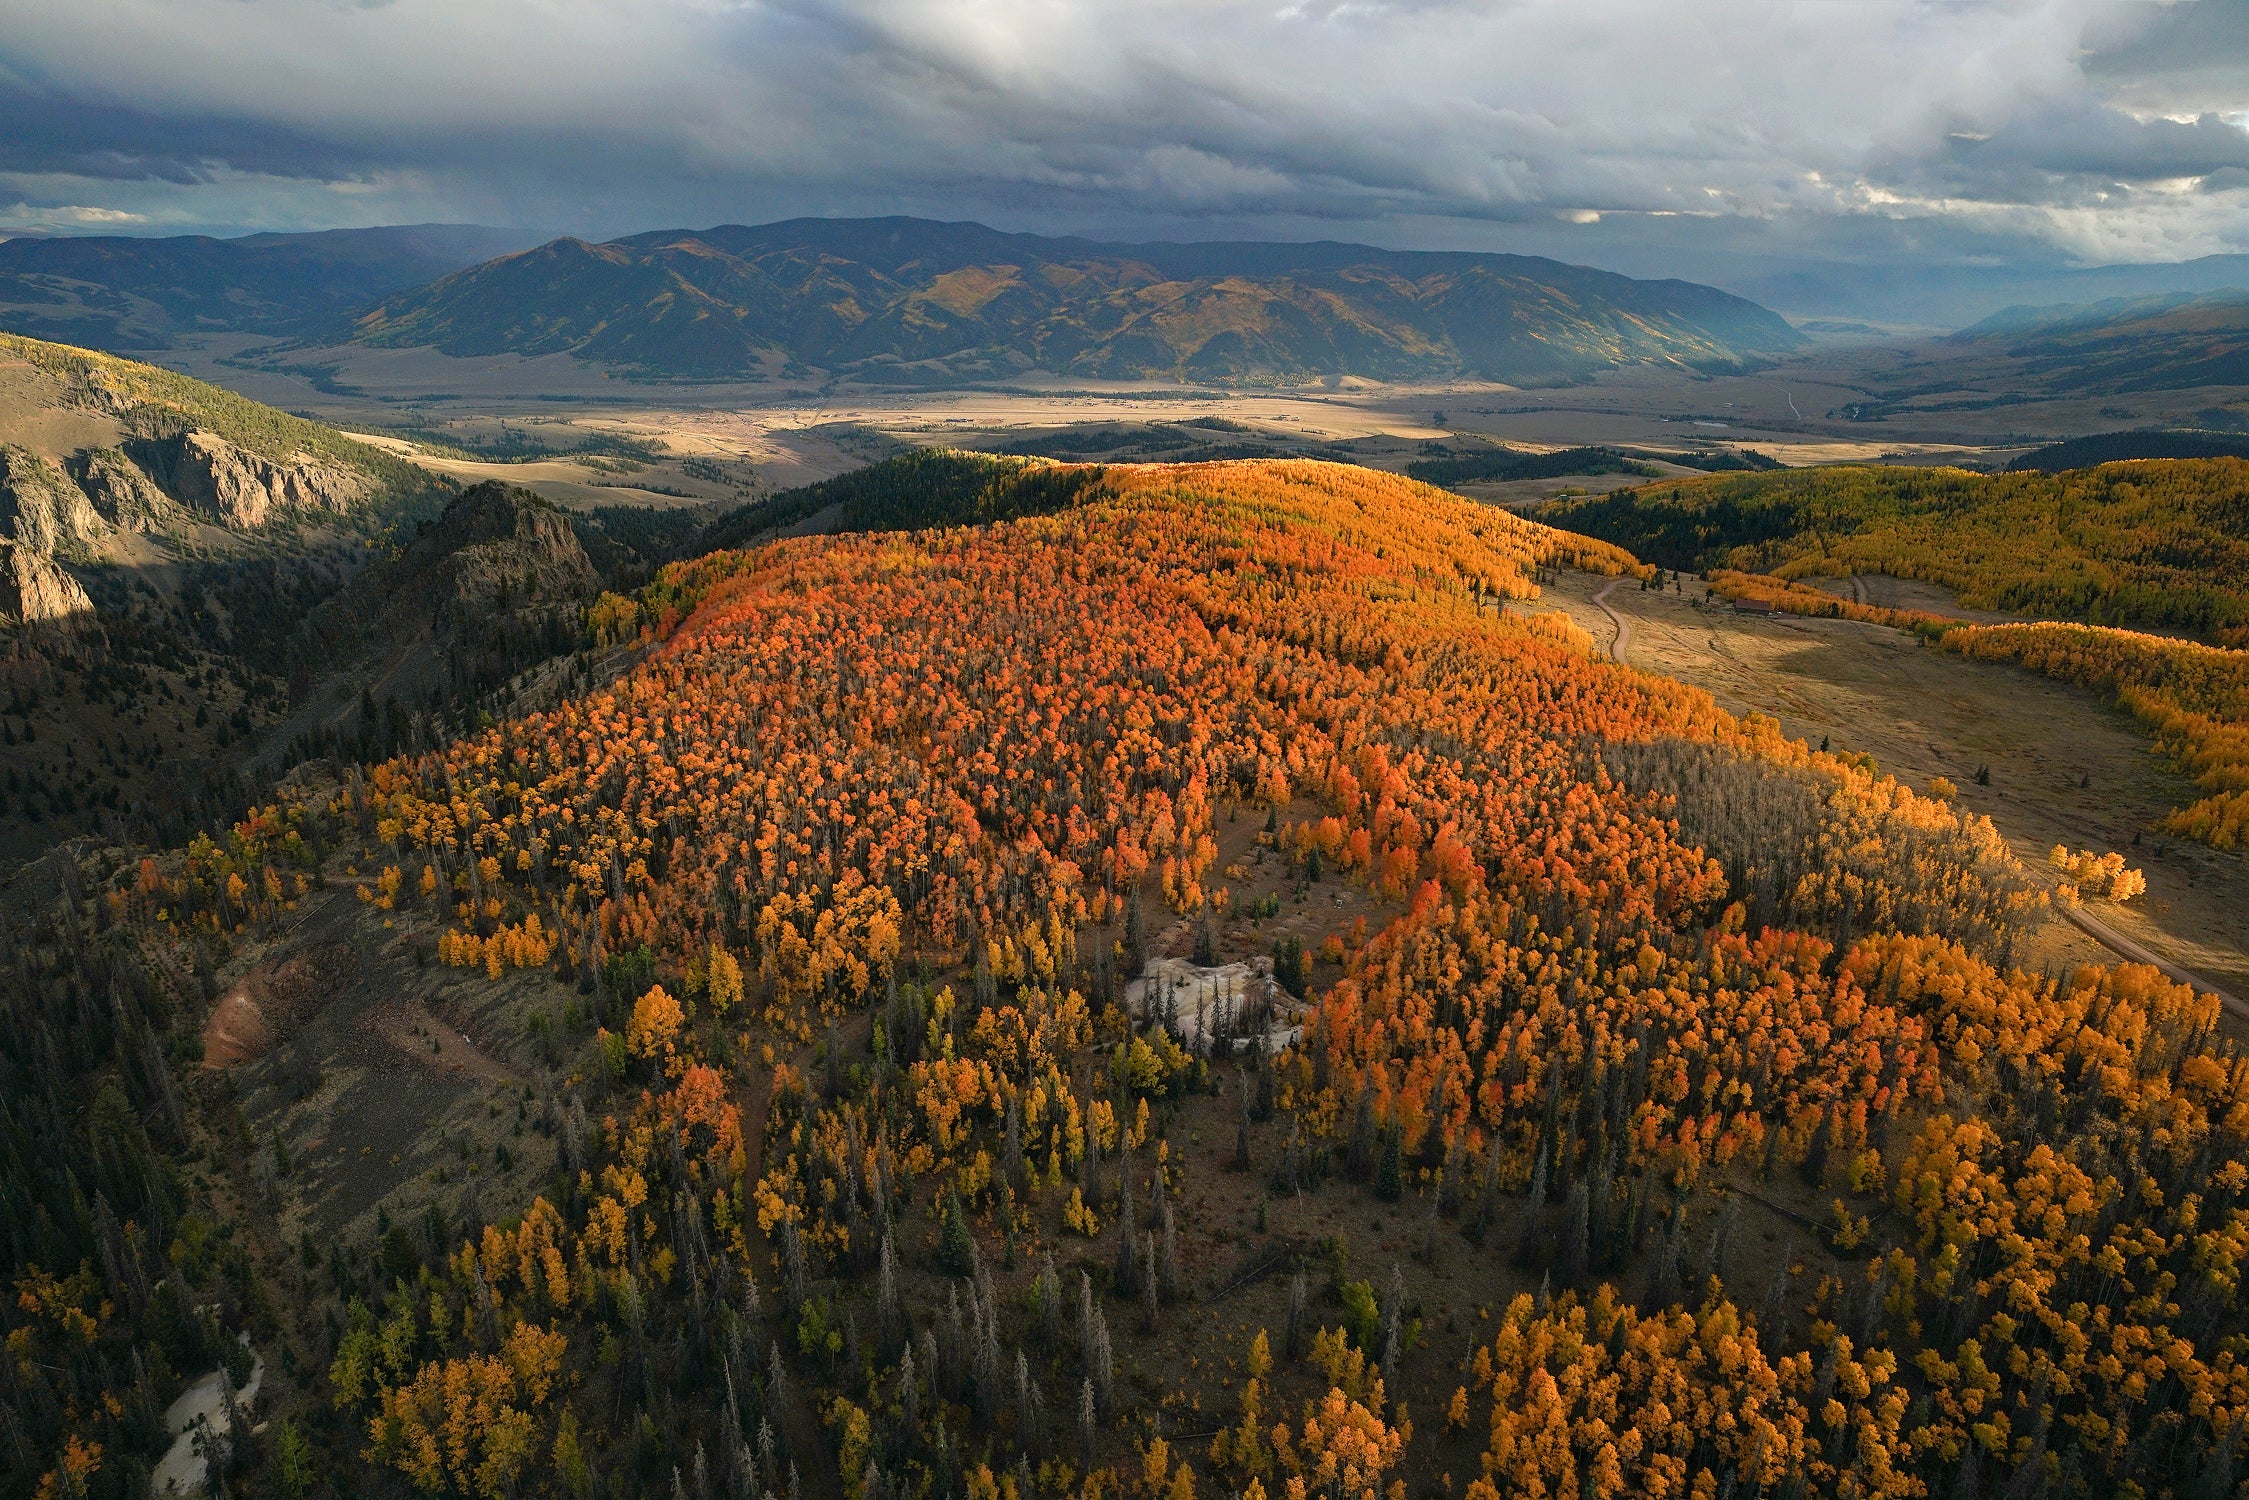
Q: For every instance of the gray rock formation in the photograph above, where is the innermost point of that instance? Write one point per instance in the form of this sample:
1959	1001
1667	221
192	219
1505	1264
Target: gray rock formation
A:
507	548
237	488
51	511
36	593
497	552
42	508
122	494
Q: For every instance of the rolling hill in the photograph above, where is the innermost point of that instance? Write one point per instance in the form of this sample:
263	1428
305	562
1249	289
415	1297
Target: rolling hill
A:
911	301
130	293
747	1076
2118	447
2121	345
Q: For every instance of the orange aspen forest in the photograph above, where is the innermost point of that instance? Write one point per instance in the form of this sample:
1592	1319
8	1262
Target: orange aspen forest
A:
1076	750
1200	984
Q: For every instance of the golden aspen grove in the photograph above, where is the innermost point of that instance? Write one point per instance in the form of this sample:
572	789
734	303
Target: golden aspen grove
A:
2149	543
1621	1099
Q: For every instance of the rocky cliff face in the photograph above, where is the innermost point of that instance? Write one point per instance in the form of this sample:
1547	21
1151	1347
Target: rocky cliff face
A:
35	593
240	489
42	508
122	494
128	476
54	513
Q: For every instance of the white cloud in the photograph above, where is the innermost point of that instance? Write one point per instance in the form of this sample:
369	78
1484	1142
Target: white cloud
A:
67	216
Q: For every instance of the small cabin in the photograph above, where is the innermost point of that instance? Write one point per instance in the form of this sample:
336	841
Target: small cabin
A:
1752	607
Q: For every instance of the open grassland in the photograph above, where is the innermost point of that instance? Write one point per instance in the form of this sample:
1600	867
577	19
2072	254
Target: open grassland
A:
2064	765
2111	556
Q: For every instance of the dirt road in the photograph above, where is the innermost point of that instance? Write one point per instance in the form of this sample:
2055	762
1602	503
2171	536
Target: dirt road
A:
2047	762
2108	937
1623	641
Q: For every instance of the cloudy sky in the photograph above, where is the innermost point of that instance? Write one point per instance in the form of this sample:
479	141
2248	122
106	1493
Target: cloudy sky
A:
1612	131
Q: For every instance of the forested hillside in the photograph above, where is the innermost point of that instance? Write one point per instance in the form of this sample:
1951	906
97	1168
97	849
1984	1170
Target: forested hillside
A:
2162	542
913	302
1544	1083
2117	447
134	292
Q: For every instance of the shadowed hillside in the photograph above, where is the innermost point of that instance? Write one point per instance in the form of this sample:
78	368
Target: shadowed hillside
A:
115	292
2131	344
909	301
161	542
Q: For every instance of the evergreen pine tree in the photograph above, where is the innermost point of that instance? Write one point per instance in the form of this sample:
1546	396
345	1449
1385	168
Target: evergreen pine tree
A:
1135	936
956	1250
1389	1174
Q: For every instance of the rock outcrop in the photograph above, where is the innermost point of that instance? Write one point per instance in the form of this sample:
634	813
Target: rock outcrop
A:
497	554
499	548
122	494
484	592
229	484
41	507
36	593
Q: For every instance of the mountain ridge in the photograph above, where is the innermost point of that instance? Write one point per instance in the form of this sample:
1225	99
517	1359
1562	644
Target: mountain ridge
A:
2169	341
140	293
921	302
114	472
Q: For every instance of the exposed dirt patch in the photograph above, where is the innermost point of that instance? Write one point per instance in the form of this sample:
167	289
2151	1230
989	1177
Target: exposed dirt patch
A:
396	1084
261	1008
434	1043
1888	592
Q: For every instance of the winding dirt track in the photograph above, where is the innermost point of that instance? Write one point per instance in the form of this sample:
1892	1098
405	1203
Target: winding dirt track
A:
2116	942
1623	641
2092	926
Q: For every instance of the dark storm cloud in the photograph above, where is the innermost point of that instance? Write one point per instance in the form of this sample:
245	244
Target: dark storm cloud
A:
2095	127
2066	153
2174	58
46	131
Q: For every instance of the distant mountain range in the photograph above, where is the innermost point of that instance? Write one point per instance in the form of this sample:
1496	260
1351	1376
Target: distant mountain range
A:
2158	343
1911	292
118	292
911	301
